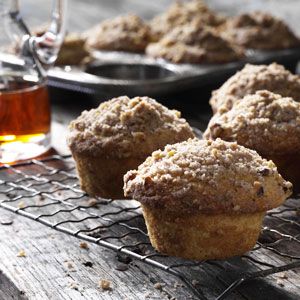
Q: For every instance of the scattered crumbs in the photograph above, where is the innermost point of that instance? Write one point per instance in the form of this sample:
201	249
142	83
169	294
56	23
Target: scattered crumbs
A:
147	295
21	253
105	284
92	202
195	282
70	266
83	245
283	276
88	264
74	286
158	286
21	204
7	222
121	267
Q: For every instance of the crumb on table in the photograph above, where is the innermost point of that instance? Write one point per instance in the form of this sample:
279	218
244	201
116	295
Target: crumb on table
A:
105	284
83	245
21	253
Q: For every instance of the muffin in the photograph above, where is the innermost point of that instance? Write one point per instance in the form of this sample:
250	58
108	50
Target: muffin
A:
267	123
259	30
123	33
181	13
117	136
194	43
73	51
251	78
205	199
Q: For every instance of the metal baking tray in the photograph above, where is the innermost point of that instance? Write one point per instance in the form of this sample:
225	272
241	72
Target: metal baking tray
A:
119	73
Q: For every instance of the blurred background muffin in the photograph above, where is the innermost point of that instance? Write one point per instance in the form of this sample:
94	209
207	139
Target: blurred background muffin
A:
259	30
194	43
123	33
182	13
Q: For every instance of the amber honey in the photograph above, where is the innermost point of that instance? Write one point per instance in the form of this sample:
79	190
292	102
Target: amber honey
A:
24	118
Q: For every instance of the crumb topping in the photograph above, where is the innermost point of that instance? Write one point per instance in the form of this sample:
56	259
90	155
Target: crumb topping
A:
123	33
259	30
207	176
194	43
266	122
251	78
124	127
181	13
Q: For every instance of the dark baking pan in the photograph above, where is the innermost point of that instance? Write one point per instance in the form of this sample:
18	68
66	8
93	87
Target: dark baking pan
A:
117	73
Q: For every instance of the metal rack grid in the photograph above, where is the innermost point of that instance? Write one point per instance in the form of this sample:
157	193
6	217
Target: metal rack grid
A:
47	191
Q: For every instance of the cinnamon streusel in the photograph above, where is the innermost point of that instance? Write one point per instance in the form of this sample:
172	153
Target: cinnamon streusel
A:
123	33
194	43
259	30
251	78
205	199
267	123
117	136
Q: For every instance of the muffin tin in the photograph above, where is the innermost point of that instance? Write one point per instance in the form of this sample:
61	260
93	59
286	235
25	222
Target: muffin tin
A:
116	73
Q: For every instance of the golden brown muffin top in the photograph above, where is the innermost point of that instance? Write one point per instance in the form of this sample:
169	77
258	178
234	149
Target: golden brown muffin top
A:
181	13
123	33
209	177
266	122
194	43
124	127
259	30
251	78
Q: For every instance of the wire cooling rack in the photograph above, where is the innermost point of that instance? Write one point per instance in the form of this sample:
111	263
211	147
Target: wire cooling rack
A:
48	192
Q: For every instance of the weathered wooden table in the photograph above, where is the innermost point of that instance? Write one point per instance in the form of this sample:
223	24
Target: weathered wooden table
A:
55	266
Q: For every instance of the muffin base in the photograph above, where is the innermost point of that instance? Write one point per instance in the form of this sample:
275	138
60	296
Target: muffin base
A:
289	167
202	236
103	176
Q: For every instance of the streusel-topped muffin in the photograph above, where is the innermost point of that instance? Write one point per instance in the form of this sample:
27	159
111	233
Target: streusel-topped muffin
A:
251	78
73	51
181	13
259	30
205	199
194	43
267	123
117	136
124	33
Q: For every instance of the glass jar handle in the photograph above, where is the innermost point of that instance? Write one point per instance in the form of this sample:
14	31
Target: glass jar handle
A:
46	47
